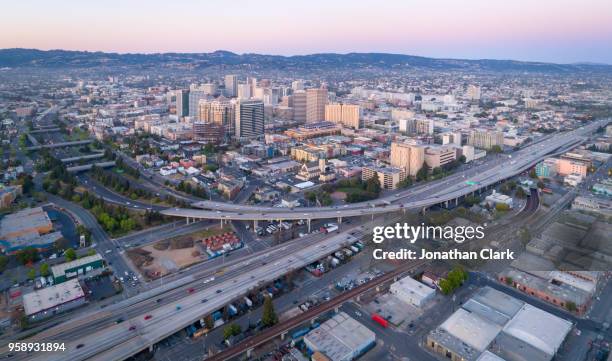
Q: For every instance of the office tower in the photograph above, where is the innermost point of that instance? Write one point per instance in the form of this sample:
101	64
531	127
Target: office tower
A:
220	112
351	115
182	103
195	95
244	91
346	114
297	85
231	85
316	99
209	88
249	119
486	139
252	83
473	93
409	157
424	126
333	113
299	106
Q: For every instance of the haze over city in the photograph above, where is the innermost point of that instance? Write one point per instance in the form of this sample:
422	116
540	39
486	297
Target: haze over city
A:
553	31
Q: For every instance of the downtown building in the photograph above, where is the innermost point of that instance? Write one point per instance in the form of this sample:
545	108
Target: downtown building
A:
249	119
409	157
231	85
218	114
348	115
316	99
486	139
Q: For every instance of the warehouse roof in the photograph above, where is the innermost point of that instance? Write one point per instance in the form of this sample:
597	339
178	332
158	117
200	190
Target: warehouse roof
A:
493	305
50	297
340	336
538	328
413	287
489	356
471	329
60	269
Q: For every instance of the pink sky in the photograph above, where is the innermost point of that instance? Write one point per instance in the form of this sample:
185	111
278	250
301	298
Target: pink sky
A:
560	31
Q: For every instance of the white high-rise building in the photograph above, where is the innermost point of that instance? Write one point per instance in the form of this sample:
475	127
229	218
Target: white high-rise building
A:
231	85
244	91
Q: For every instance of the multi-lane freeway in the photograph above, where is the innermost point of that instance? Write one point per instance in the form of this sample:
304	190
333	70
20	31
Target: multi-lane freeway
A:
153	315
102	339
451	189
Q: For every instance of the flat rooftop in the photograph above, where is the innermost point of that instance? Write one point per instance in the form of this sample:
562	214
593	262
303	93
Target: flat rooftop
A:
60	269
471	329
538	328
24	221
50	297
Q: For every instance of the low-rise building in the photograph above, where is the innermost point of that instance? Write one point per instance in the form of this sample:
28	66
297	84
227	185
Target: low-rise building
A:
340	338
52	300
499	198
412	292
64	271
388	177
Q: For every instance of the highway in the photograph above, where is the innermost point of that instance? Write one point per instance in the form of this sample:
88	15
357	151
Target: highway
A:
449	189
104	340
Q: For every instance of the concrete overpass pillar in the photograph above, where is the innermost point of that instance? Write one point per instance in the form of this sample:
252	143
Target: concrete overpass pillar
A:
308	222
249	352
187	220
336	309
255	224
377	288
221	223
339	220
151	348
312	321
283	336
358	298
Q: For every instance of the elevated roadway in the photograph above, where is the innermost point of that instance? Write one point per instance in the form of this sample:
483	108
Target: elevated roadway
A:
408	199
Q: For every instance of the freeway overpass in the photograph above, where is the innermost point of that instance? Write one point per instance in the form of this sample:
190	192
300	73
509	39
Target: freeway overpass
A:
117	342
80	168
60	145
82	157
510	167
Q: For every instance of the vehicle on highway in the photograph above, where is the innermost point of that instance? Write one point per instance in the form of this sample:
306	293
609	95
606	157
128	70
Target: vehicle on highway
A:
119	320
148	317
191	290
219	291
79	345
132	328
158	300
178	307
204	300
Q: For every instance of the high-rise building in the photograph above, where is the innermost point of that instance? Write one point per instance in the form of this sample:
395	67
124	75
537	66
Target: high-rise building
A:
299	106
194	101
182	103
348	115
409	157
220	112
486	139
417	126
297	85
244	91
231	85
316	99
473	93
249	119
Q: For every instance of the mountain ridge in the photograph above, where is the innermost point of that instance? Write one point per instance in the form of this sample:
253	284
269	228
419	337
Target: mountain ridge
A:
24	58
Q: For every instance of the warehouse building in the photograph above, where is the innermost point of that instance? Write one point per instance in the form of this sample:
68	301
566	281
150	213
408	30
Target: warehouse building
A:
493	326
52	300
65	271
340	338
412	292
29	227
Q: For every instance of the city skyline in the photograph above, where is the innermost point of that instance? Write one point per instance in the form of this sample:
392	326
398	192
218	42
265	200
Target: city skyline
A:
544	31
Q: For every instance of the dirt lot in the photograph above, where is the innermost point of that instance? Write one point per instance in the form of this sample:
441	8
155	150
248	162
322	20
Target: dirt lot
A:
172	254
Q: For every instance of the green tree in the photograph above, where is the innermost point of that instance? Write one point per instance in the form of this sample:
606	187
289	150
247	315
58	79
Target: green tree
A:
421	175
31	273
509	281
495	149
532	173
571	306
4	260
70	254
27	255
268	317
373	185
209	322
502	207
520	193
231	330
44	270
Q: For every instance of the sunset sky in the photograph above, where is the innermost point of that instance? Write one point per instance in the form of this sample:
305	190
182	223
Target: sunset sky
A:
561	31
